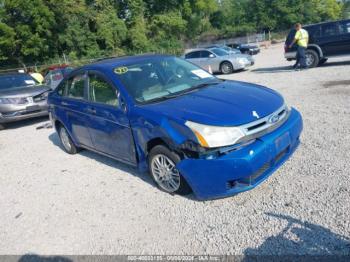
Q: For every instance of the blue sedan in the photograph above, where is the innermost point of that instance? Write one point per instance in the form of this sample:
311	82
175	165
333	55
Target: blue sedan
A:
192	131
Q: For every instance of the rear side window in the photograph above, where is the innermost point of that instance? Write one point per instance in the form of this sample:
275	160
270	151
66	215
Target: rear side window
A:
344	27
329	30
102	92
75	86
192	55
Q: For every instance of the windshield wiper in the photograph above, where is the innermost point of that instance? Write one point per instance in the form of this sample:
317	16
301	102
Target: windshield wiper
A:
187	91
199	86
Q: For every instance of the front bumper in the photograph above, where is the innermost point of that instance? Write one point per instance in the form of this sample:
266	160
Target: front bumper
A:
246	168
13	113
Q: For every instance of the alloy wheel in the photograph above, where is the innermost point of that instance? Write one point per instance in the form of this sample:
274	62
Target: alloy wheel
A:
310	59
226	68
65	139
165	173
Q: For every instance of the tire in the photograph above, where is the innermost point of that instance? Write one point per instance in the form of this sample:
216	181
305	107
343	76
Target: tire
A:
323	61
66	141
162	167
312	58
226	68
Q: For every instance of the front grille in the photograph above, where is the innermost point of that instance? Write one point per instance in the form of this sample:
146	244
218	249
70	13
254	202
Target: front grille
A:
259	172
266	122
265	125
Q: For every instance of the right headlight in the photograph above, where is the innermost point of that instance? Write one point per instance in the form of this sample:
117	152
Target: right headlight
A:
15	101
215	136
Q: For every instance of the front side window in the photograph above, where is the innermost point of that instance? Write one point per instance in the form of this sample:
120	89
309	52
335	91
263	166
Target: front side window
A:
344	27
205	54
329	30
219	52
161	78
75	86
102	92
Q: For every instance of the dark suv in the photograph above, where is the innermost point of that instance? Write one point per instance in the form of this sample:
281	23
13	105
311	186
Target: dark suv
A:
326	40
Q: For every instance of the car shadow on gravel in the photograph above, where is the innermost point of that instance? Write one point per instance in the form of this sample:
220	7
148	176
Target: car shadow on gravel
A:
145	177
37	258
277	69
27	122
299	238
334	64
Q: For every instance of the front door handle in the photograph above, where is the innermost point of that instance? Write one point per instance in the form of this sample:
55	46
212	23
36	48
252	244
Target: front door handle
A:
91	111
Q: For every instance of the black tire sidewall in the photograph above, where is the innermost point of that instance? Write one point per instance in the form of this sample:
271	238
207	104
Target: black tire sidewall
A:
316	57
184	188
230	65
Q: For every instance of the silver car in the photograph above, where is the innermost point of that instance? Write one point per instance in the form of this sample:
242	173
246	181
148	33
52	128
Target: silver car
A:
217	60
21	97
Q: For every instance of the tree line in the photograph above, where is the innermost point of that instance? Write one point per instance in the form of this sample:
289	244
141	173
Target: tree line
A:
37	31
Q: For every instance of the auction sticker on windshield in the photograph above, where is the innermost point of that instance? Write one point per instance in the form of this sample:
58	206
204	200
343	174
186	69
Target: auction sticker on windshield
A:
201	73
121	70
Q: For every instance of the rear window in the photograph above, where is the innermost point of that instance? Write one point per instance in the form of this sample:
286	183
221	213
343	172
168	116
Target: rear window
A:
16	80
290	36
219	52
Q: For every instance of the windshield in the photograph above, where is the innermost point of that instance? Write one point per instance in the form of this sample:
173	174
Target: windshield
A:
16	80
219	52
162	78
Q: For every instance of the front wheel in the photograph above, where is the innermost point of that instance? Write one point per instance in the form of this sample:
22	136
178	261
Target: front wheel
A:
162	167
66	141
226	68
312	58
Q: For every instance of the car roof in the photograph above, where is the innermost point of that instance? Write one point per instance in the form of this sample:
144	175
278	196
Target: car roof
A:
327	22
12	74
118	61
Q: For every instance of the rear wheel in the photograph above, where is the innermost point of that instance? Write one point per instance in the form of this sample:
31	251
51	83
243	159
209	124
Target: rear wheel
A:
312	58
162	167
66	141
226	68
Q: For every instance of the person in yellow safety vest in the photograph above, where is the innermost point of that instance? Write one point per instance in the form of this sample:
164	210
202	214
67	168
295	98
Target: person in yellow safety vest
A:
38	77
302	40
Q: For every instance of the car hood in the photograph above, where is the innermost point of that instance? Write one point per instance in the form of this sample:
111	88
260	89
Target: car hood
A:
24	91
230	103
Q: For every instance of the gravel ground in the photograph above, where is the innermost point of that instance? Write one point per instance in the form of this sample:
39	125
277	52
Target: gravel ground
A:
55	203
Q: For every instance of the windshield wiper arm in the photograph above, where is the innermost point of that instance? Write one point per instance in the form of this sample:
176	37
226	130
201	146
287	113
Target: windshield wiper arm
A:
174	95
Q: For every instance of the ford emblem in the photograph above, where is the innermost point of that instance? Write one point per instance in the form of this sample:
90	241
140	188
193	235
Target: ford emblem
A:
273	119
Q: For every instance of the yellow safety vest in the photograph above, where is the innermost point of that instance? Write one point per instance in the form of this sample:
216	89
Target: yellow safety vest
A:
302	37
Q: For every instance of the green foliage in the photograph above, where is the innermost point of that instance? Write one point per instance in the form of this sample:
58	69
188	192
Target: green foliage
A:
41	30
